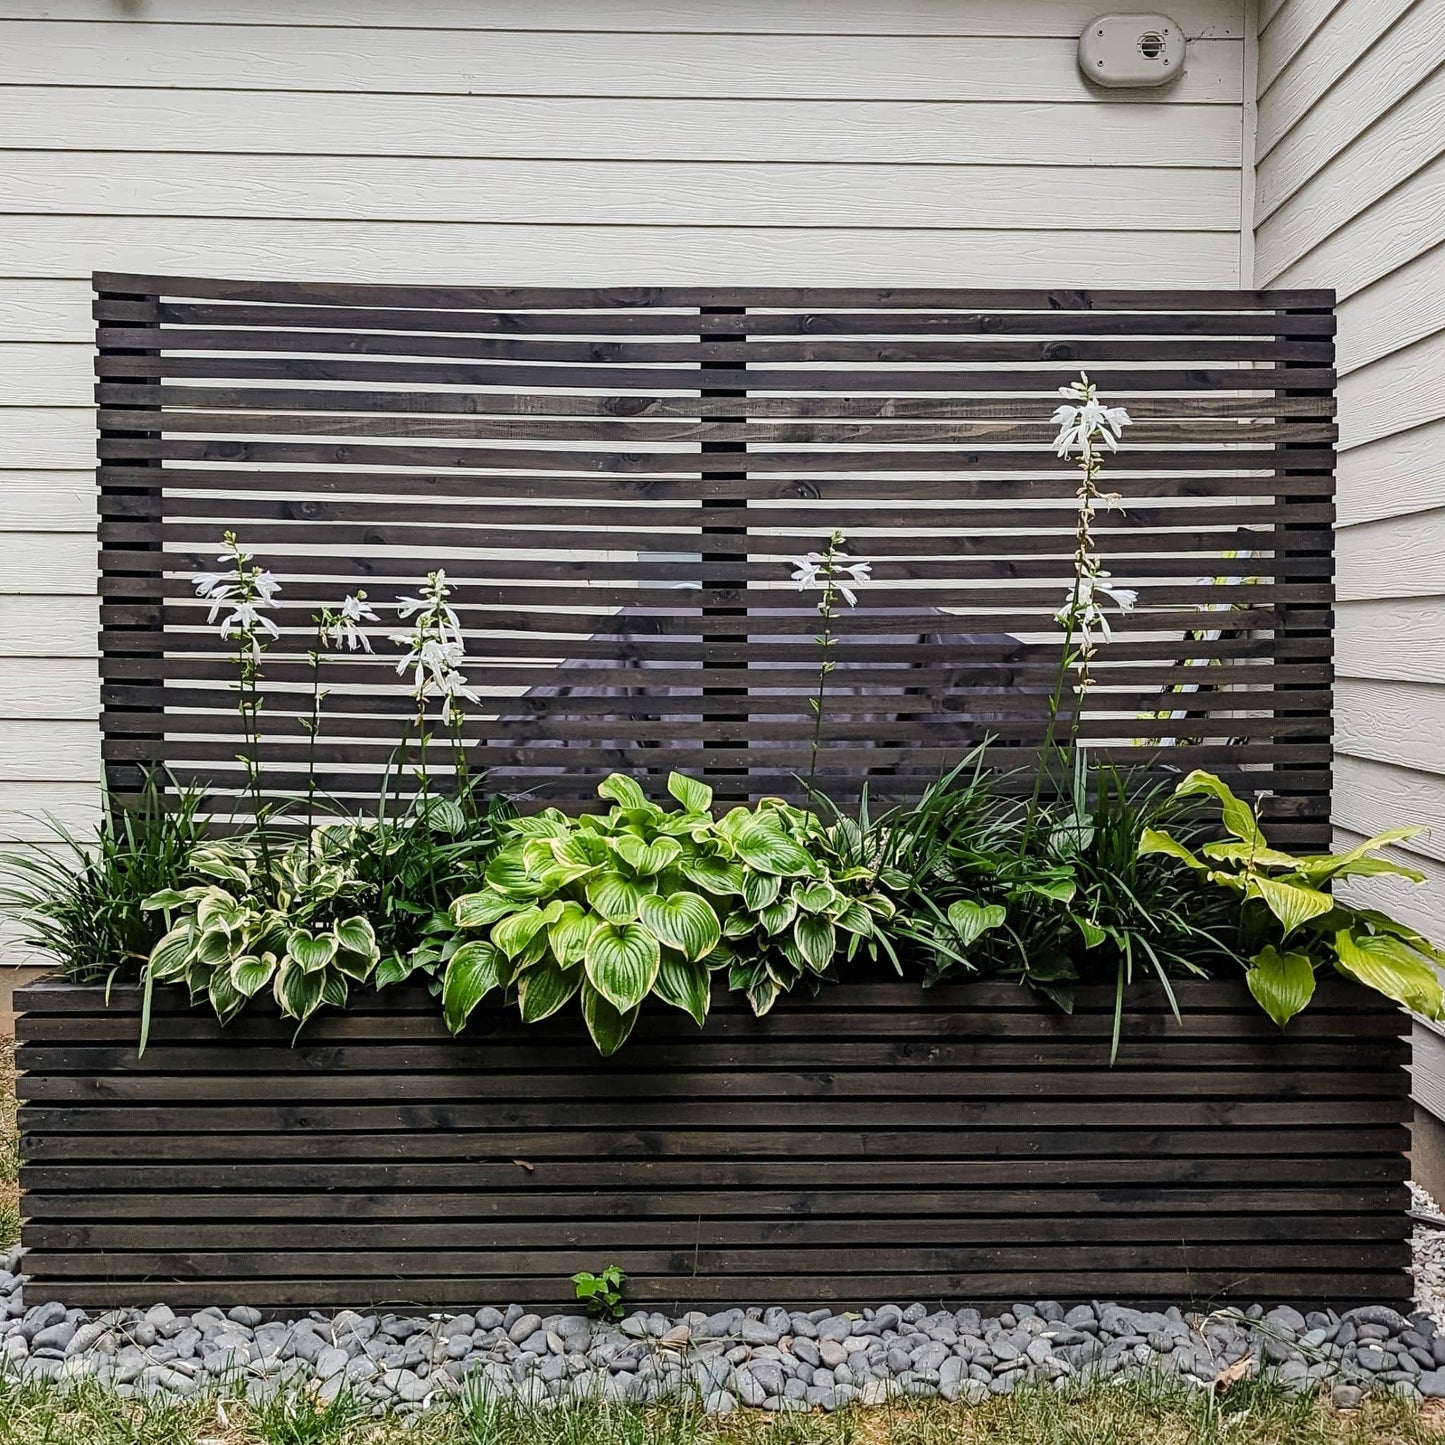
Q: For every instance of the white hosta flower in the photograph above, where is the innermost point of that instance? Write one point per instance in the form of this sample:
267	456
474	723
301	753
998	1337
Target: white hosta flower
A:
1085	424
435	650
1083	609
243	593
432	607
835	571
342	627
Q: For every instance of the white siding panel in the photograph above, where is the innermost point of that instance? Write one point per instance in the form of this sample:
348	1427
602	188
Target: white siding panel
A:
1283	35
621	255
548	62
1403	390
1020	133
1394	557
1400	473
41	752
62	626
25	809
1415	905
57	688
1331	50
40	563
1391	640
1376	162
1064	18
48	501
46	438
1351	194
43	311
1371	797
1391	722
620	193
1384	74
1404	307
54	374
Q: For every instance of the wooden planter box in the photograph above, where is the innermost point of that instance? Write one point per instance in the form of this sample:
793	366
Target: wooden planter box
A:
881	1142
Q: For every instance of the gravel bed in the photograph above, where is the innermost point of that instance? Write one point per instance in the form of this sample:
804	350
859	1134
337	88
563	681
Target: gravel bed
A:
769	1359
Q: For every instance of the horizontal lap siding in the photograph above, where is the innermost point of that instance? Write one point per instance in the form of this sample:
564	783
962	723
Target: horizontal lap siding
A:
1351	193
507	141
879	1142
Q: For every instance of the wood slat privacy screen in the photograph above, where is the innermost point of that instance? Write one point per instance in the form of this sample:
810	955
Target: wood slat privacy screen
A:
615	480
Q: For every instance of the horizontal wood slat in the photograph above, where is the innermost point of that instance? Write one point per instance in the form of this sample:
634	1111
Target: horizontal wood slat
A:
615	479
965	1143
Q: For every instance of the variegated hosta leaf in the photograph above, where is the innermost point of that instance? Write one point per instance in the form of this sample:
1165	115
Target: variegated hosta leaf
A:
250	974
311	951
760	890
297	990
646	859
617	899
357	952
542	990
608	1025
714	875
684	985
695	796
622	961
172	954
684	921
816	940
473	971
568	933
481	910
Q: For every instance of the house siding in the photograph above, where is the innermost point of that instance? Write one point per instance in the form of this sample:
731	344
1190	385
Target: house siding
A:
1350	193
542	141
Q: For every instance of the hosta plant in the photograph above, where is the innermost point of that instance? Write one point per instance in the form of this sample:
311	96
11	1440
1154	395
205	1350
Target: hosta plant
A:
612	908
1290	926
293	929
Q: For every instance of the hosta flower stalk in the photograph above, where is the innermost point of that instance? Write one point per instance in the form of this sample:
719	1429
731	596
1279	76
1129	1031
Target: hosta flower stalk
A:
241	598
836	576
336	629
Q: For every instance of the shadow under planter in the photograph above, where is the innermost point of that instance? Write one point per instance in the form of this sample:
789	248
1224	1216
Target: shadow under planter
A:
881	1142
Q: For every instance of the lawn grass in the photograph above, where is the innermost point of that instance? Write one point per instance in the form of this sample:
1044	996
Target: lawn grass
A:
1156	1411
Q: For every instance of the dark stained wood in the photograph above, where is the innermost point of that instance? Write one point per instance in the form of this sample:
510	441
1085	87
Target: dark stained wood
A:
966	1143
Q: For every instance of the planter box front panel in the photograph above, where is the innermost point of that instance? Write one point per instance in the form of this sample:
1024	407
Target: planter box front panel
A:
881	1142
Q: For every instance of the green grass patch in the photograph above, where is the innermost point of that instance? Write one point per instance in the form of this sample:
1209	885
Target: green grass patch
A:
1147	1411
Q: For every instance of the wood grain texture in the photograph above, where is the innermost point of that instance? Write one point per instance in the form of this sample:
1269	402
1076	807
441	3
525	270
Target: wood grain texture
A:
904	416
1217	1158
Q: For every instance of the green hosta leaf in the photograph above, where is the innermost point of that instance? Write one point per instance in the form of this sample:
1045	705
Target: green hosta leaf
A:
1245	853
696	797
216	948
1071	836
473	971
481	910
312	952
228	866
542	990
761	889
817	940
716	875
738	924
1291	903
684	921
250	974
394	969
1282	983
971	920
856	918
172	954
218	910
1153	841
1238	815
297	991
357	951
1377	867
1390	967
684	985
616	898
171	898
772	851
778	916
646	859
569	931
622	961
1093	934
1321	866
507	872
815	897
444	815
623	790
335	989
608	1026
514	933
1383	923
226	998
1061	890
